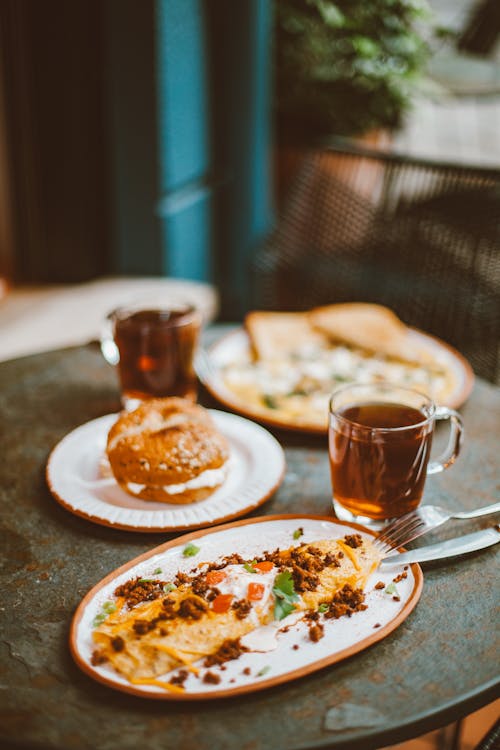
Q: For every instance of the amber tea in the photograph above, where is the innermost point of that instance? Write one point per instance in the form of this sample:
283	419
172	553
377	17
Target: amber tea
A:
156	351
380	438
385	476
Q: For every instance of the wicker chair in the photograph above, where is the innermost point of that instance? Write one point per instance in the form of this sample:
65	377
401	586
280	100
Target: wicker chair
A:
420	237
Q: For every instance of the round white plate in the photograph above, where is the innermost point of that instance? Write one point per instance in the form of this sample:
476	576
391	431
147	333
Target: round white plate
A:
74	476
291	654
235	346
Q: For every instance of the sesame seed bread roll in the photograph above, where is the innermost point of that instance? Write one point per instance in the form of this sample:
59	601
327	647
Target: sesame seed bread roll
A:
168	450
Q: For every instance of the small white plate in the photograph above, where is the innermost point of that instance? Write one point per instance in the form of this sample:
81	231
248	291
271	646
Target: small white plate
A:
292	653
74	476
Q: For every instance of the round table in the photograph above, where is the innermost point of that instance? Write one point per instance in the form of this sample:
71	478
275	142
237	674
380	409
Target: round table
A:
439	665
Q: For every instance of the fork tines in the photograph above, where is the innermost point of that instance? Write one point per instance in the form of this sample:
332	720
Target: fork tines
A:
399	532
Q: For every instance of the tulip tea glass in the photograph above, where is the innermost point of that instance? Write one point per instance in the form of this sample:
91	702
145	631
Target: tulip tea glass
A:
380	438
153	347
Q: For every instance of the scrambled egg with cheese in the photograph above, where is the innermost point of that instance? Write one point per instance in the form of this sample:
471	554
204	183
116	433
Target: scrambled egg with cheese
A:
296	389
197	620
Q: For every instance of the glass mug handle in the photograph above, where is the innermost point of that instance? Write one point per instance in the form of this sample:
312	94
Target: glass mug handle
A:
449	455
108	347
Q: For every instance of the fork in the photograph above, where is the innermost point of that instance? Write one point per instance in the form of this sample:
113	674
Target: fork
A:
421	520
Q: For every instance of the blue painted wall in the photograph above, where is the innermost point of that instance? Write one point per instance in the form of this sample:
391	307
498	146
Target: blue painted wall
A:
241	68
184	207
190	86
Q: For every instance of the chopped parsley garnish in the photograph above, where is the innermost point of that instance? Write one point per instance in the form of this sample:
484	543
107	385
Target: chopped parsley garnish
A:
298	392
264	671
269	401
249	566
298	533
391	589
107	609
168	587
285	595
157	572
190	550
323	607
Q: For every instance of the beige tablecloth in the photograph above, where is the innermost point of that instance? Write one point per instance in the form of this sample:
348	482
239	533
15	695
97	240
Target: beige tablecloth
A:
37	319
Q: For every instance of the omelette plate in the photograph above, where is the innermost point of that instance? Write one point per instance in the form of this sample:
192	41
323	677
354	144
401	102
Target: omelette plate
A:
294	655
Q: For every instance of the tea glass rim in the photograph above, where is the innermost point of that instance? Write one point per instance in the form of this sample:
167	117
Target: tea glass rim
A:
190	312
431	407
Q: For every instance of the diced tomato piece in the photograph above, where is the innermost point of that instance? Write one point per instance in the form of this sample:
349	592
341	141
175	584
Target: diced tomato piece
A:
255	591
221	603
146	364
215	576
264	567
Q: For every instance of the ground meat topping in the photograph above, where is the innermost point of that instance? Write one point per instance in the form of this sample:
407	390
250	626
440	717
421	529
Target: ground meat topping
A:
316	632
310	562
210	678
141	627
230	649
234	559
168	607
331	561
379	585
200	586
181	578
118	643
346	602
277	557
353	540
303	580
312	615
212	593
139	590
242	608
179	678
97	658
192	608
400	577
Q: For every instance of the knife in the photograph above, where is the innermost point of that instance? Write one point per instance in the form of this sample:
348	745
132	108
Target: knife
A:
458	546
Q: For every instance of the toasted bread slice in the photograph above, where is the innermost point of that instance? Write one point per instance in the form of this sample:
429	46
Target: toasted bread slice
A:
367	326
278	334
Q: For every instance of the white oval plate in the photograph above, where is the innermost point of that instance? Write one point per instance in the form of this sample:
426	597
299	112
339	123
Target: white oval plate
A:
342	637
74	476
235	346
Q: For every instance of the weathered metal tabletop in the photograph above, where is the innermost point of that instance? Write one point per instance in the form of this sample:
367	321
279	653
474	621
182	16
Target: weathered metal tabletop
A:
440	664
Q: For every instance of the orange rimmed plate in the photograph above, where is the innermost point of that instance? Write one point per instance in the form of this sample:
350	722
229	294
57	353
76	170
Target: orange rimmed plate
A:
295	655
75	477
235	347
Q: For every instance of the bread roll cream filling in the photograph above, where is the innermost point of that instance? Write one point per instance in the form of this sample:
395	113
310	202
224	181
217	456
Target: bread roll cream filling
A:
208	478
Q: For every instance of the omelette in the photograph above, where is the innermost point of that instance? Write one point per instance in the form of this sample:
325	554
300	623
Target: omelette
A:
153	626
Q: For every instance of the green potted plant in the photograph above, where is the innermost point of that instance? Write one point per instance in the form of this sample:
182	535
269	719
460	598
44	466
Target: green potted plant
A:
343	68
347	67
